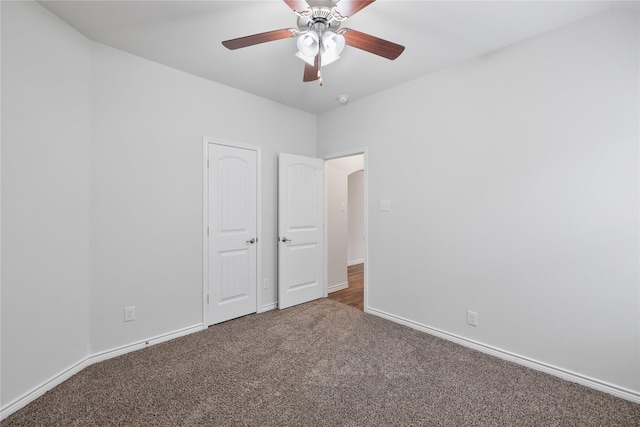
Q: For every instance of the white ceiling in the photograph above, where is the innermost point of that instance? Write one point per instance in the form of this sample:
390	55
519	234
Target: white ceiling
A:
187	35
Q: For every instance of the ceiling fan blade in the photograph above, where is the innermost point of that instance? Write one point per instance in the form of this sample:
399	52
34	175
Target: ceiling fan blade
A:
297	5
348	8
372	44
269	36
311	71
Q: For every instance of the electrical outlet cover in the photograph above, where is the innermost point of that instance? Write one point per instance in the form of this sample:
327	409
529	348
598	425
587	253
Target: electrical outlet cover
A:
472	318
129	313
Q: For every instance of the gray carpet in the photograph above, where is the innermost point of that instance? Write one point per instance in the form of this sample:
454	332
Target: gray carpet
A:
324	364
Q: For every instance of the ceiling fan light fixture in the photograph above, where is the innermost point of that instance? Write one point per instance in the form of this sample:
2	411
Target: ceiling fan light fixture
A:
331	47
333	42
308	59
328	59
308	44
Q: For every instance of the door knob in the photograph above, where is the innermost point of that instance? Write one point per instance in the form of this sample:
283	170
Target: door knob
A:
251	242
285	240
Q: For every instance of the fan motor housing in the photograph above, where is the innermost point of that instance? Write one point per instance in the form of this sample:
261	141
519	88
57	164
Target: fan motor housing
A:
319	18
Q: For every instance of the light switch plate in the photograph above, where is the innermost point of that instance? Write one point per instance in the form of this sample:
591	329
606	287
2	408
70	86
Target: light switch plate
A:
385	205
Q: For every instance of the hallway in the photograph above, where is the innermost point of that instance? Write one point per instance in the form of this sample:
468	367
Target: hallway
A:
354	294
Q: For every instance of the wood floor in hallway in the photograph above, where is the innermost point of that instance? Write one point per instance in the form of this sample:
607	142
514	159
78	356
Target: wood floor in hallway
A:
354	294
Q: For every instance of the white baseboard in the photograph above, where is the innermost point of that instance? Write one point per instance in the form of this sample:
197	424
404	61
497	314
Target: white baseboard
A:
337	287
268	307
617	391
38	391
355	262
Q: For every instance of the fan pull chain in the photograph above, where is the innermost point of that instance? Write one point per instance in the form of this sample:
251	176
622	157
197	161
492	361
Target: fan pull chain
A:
320	78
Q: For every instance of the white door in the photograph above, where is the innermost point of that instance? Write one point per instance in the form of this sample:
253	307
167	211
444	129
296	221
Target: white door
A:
300	229
232	232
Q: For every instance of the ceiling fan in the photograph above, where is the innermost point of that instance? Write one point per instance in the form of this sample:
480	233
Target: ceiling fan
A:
320	37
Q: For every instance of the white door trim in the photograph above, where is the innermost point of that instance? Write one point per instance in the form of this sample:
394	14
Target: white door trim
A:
205	221
346	153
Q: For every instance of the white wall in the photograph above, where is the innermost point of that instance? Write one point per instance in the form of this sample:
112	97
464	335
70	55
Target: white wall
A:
148	125
513	182
102	193
336	217
45	197
355	220
349	164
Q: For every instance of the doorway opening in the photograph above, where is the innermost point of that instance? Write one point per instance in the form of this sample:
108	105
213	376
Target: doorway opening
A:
345	178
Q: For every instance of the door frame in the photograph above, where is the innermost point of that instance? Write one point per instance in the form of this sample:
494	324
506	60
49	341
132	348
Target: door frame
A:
206	141
337	155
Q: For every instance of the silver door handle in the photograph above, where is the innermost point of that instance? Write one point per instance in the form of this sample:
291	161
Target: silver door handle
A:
285	240
251	242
